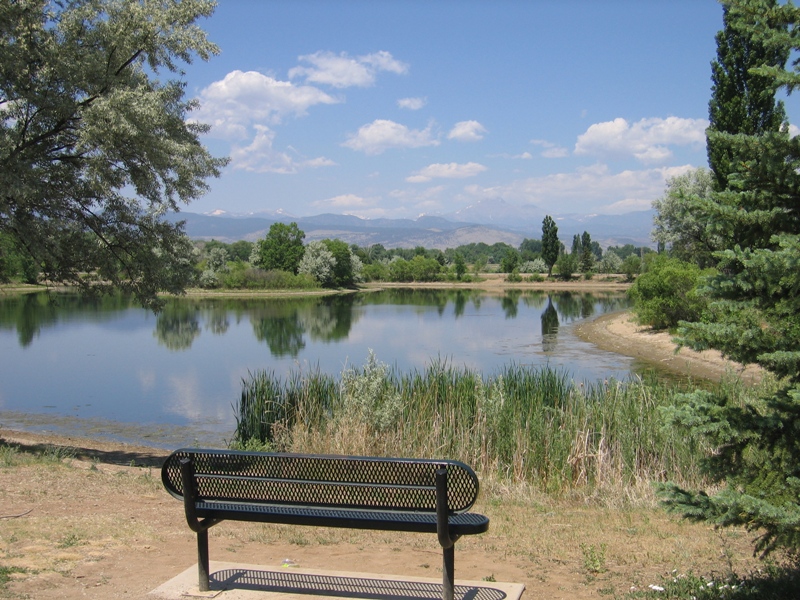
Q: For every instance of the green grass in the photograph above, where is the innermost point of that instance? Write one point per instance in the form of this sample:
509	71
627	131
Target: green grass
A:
7	572
533	425
772	583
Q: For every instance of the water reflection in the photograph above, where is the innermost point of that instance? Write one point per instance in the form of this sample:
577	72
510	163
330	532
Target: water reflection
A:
177	327
110	359
549	326
287	325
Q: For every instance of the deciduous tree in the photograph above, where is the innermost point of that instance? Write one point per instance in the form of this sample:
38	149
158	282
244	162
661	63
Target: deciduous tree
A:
679	226
550	244
96	144
282	249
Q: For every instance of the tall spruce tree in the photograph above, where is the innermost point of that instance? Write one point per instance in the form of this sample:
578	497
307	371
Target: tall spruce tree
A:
741	101
754	316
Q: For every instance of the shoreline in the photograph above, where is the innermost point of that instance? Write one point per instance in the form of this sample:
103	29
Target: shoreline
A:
617	332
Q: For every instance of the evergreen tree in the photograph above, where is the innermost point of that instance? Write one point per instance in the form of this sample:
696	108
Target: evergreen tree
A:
754	317
742	101
576	245
550	244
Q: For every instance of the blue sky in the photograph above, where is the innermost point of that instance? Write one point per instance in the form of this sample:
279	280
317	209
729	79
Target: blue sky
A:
395	109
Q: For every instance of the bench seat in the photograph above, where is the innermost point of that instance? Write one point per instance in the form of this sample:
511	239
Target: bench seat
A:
419	522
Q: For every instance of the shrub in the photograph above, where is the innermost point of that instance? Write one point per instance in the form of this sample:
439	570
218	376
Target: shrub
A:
565	266
631	267
667	293
514	276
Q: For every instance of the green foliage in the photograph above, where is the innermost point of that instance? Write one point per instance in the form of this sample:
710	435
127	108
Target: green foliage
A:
460	265
342	272
282	249
96	141
424	269
241	276
667	293
376	271
774	582
594	558
611	262
680	224
533	266
510	261
530	249
754	315
7	572
566	265
631	267
367	395
742	101
625	251
587	257
317	262
551	247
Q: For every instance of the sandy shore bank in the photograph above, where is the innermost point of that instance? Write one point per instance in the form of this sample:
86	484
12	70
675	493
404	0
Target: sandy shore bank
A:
618	332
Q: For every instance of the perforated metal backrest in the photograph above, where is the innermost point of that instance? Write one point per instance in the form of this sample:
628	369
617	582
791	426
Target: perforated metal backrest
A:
322	481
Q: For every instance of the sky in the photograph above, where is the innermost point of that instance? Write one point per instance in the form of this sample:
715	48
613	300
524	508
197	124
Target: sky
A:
395	109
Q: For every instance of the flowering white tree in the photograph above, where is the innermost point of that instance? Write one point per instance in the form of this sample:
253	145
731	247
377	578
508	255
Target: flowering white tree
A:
318	262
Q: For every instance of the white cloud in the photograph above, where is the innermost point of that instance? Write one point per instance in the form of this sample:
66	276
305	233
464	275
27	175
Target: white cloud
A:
233	104
586	190
647	140
412	103
467	131
341	70
381	134
260	157
344	202
628	205
446	171
794	130
551	150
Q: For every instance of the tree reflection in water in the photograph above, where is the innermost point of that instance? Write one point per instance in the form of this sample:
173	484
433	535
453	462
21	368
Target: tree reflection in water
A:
549	326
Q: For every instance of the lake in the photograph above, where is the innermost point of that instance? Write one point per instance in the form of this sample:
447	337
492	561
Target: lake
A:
108	368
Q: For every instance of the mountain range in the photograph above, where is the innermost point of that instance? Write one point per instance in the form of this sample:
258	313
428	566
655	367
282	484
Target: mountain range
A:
488	221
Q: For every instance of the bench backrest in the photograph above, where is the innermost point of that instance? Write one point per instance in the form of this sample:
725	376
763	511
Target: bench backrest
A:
324	481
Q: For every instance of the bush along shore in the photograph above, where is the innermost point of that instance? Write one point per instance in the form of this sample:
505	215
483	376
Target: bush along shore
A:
524	425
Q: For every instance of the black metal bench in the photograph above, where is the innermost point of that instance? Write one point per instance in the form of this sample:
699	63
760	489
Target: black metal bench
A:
393	494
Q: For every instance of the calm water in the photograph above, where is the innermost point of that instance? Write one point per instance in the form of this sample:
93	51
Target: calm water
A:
109	368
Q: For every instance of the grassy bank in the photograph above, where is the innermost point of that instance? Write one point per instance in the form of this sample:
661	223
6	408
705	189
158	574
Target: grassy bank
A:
530	426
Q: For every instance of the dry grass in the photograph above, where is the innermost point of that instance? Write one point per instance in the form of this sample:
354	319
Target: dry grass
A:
112	526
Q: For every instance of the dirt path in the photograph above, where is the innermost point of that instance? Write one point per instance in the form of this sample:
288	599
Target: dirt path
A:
85	528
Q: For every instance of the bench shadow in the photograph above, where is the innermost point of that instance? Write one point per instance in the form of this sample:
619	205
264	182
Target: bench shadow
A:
138	458
342	586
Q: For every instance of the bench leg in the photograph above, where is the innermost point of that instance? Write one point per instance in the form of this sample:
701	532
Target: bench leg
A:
448	572
202	560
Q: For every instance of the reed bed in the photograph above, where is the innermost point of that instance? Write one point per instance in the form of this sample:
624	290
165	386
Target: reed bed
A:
533	426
